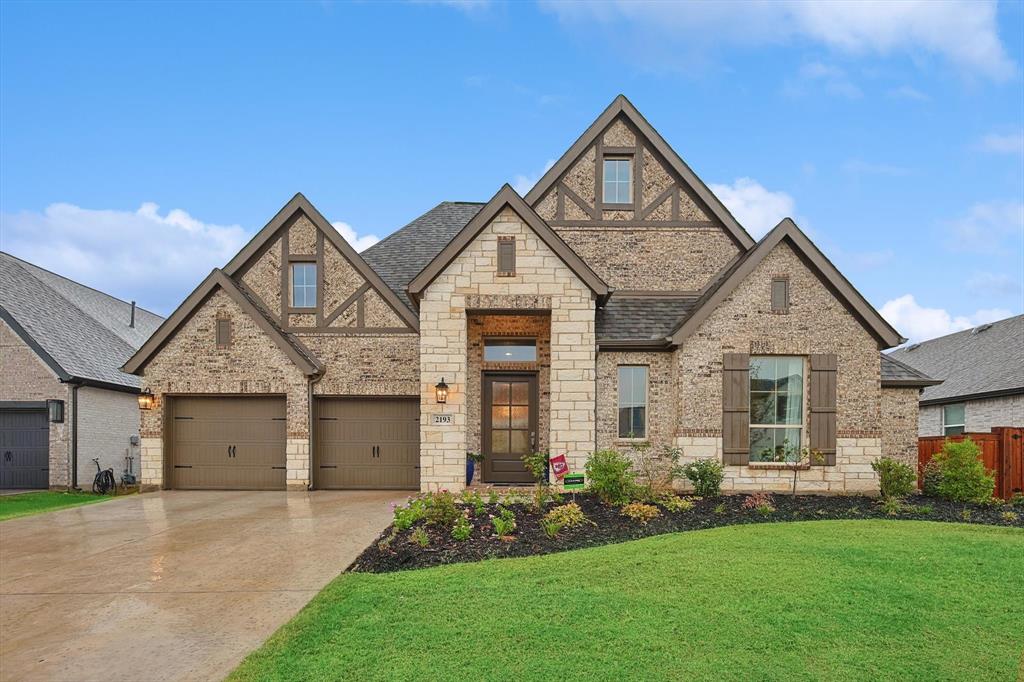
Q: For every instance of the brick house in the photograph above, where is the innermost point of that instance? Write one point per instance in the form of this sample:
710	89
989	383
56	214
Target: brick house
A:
63	398
618	302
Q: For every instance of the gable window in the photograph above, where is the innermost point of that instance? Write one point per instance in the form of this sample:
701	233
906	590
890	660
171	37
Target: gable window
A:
303	285
953	419
780	295
618	181
506	256
223	333
632	401
776	408
510	350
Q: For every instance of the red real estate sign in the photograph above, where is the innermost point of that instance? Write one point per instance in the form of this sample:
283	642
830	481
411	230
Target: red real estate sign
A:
559	466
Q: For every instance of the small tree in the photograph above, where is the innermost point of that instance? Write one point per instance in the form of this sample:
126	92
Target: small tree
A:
537	464
794	458
657	469
963	474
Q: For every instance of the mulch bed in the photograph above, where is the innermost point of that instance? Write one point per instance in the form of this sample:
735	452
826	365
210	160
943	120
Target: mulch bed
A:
610	526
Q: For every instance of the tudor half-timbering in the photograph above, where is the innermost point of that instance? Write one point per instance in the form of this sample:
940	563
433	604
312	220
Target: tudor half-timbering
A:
618	302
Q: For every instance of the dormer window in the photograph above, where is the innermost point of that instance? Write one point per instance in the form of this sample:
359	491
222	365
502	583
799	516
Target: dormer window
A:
618	181
303	285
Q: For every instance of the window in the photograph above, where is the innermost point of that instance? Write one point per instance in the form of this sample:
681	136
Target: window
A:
303	285
953	419
632	402
506	256
223	333
780	295
618	181
510	350
776	408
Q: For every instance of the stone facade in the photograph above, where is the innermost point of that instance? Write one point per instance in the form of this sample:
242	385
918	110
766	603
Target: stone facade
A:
980	415
542	283
899	424
817	322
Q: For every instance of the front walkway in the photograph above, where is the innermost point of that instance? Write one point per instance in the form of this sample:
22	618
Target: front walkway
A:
170	586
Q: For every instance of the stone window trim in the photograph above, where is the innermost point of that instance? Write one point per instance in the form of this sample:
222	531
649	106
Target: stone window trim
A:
223	333
617	154
506	256
954	419
619	438
779	295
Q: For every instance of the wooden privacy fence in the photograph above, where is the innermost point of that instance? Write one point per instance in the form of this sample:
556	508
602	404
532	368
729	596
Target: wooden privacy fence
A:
1001	451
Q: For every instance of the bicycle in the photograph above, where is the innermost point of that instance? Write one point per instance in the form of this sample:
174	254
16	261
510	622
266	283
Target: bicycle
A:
104	480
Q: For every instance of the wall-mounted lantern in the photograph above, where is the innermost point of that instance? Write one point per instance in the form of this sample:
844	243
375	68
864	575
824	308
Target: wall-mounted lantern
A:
55	410
441	391
146	399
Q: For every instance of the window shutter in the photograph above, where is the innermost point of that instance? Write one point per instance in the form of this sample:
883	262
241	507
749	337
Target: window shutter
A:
823	406
780	295
736	408
223	333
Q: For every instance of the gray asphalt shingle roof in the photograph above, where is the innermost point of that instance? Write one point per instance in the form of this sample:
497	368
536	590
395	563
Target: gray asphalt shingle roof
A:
85	331
986	359
895	372
639	318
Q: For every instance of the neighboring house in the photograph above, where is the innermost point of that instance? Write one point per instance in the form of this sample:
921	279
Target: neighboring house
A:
63	398
982	373
619	302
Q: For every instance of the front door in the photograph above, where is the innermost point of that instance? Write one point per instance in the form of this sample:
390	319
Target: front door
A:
509	426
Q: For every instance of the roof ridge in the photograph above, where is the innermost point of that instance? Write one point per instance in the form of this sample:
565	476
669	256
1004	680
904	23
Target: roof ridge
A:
969	330
76	283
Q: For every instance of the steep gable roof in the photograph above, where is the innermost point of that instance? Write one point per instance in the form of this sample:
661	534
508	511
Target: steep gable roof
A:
506	196
622	106
298	204
816	260
303	358
82	334
987	360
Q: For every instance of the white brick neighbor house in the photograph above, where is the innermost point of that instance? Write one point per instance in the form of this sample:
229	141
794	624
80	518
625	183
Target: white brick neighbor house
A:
618	302
63	398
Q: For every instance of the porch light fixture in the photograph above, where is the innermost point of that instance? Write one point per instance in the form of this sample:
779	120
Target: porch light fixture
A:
441	391
146	399
55	411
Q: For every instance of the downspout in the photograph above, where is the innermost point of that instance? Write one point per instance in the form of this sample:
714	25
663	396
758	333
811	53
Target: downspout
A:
74	435
313	380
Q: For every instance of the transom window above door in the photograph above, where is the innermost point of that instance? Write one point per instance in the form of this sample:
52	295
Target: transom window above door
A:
776	408
510	350
303	285
618	181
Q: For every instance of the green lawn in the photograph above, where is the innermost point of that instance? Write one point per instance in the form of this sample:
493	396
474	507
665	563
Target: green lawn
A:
25	504
832	600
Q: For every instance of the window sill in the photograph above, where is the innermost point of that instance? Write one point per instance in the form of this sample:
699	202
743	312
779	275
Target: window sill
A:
777	465
631	440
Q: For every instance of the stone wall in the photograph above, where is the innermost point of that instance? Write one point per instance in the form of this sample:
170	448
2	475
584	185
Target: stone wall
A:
542	283
364	364
980	415
817	322
662	398
899	424
25	377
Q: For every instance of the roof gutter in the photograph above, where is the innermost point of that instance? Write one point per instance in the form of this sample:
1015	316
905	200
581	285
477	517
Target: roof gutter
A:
656	345
973	396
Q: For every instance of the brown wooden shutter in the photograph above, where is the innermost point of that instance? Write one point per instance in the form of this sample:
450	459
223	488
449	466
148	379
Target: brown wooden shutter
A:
736	408
223	333
780	295
823	406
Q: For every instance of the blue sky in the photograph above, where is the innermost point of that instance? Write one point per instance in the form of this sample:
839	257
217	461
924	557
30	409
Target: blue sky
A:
141	144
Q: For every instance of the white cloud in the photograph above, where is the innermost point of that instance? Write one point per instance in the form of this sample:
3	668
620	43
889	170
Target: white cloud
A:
135	255
907	92
359	243
962	31
918	323
758	209
524	183
1013	143
995	227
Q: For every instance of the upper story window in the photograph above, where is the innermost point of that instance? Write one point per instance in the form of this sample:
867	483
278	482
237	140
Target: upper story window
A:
953	419
303	285
510	350
618	181
776	408
632	401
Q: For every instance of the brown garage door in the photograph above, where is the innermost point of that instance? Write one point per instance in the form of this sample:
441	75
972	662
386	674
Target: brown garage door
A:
368	443
228	443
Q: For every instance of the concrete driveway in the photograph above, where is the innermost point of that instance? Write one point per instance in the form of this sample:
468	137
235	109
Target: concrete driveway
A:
169	586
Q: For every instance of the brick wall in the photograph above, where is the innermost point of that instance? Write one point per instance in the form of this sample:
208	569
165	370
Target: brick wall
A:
106	422
542	283
662	397
24	376
899	424
980	415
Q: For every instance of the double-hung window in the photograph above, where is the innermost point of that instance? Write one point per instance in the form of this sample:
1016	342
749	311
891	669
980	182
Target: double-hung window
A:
618	181
776	408
303	285
632	401
953	419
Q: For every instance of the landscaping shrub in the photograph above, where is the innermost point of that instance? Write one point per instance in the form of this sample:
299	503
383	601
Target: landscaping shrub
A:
550	527
420	537
1018	500
674	503
657	469
720	508
892	506
611	477
706	476
931	476
441	509
568	515
461	529
504	523
472	498
896	479
1009	516
638	511
963	474
762	502
406	516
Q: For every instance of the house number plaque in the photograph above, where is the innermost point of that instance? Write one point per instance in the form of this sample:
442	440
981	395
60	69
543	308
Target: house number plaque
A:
440	419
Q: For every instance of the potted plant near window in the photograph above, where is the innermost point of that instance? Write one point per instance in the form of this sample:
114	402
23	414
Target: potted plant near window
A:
472	459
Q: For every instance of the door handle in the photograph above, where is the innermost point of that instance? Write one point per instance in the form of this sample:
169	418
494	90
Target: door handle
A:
234	451
8	456
229	451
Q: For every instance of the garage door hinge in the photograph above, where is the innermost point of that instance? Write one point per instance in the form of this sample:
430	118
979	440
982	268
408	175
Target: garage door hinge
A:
277	467
182	466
